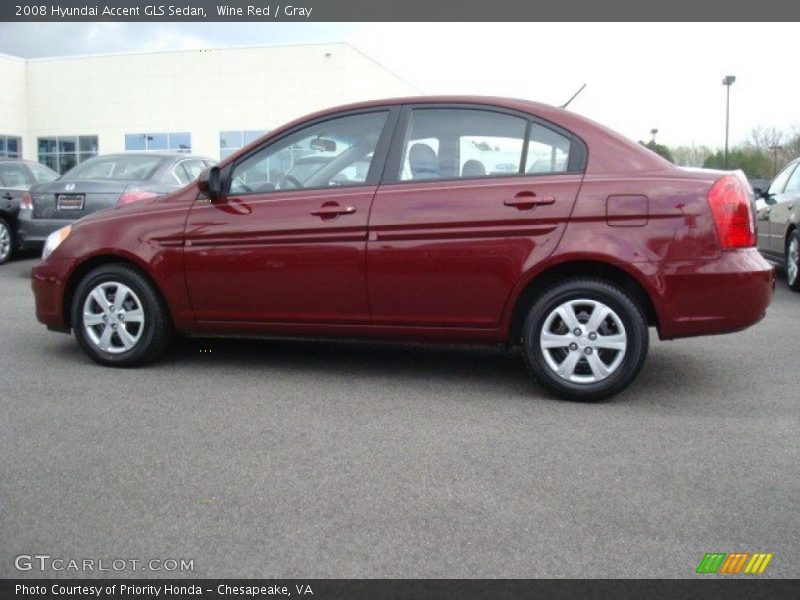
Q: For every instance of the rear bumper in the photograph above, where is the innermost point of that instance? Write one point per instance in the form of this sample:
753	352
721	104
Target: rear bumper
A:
32	233
49	280
723	295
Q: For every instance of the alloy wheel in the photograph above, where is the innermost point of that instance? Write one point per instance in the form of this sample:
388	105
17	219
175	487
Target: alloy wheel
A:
5	241
113	317
583	341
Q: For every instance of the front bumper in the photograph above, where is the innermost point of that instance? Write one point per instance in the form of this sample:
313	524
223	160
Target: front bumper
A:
49	282
723	295
32	233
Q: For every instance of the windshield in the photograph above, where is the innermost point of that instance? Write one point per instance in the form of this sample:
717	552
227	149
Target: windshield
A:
128	168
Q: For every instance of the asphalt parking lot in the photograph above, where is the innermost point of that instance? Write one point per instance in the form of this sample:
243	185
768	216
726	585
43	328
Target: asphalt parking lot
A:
311	459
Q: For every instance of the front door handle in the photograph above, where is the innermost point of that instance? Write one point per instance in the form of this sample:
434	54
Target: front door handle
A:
329	211
8	196
527	200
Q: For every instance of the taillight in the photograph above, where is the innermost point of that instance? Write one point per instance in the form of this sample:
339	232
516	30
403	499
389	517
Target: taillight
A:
733	215
129	197
27	201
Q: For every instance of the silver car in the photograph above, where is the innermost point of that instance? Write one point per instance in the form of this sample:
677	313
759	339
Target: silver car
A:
100	183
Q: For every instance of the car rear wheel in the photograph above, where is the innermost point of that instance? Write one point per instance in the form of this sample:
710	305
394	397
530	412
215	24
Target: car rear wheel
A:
119	318
793	261
6	241
585	339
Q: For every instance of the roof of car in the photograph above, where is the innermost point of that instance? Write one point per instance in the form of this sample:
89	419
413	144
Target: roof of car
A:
620	155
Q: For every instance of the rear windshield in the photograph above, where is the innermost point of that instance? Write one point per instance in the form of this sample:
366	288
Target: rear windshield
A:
115	167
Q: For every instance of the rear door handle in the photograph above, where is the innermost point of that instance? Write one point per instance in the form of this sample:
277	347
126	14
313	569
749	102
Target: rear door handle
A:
526	200
332	211
8	196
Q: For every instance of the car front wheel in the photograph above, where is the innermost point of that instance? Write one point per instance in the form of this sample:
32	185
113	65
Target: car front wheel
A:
793	261
585	339
119	318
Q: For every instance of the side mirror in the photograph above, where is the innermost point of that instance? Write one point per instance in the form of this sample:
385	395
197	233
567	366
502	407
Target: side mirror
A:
210	182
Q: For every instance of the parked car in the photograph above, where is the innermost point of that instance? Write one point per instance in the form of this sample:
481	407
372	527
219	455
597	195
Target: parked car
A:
103	182
16	176
778	209
570	265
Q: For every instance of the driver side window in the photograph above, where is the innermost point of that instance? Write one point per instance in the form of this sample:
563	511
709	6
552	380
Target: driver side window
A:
337	152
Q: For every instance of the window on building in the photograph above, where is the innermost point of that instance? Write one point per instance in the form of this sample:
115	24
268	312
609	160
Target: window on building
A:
231	141
10	146
173	142
64	152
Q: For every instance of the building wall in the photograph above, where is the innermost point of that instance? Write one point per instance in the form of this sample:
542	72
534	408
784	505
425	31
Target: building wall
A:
200	91
13	117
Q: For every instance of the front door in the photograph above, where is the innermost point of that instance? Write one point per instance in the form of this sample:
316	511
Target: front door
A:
787	200
480	197
286	242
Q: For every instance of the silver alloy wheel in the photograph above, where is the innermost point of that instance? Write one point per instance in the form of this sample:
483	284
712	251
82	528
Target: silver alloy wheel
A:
583	341
792	260
5	241
113	317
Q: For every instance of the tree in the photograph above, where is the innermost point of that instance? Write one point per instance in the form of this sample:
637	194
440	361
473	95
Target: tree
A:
755	163
691	156
659	149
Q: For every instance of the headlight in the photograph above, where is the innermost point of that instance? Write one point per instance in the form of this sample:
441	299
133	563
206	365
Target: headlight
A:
54	240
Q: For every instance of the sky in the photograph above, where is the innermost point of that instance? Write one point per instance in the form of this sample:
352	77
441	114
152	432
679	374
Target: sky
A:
639	76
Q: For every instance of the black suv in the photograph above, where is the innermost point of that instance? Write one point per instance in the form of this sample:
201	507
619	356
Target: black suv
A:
16	177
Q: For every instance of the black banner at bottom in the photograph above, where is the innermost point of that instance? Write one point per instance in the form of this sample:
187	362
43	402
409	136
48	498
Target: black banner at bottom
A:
397	589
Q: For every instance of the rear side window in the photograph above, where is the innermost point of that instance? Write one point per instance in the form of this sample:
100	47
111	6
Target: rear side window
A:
121	167
548	151
455	143
41	173
188	170
14	175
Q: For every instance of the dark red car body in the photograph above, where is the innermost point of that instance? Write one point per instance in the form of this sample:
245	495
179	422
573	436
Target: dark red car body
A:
439	260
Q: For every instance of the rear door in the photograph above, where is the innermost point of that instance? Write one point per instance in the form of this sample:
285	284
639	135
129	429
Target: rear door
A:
473	198
788	202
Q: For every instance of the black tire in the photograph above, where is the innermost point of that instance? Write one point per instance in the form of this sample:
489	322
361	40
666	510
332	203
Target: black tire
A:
629	314
793	281
156	331
6	252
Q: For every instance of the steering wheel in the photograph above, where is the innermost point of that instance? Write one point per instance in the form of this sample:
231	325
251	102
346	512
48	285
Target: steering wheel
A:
291	179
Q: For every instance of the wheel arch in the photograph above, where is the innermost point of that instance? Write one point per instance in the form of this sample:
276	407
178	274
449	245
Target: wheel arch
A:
534	283
98	260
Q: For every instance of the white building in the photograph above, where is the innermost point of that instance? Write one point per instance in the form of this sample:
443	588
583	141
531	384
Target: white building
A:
59	111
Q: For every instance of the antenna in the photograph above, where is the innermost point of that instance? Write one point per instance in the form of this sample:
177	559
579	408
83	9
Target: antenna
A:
566	104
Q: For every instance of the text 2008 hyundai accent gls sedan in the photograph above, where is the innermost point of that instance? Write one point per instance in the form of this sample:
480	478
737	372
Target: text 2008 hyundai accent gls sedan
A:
479	220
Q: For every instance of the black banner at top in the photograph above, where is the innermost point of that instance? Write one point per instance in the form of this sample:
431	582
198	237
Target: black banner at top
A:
393	10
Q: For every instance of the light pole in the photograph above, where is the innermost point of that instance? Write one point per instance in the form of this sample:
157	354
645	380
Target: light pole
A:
727	82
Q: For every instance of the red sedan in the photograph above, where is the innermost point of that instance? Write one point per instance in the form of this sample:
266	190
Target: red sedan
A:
480	220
